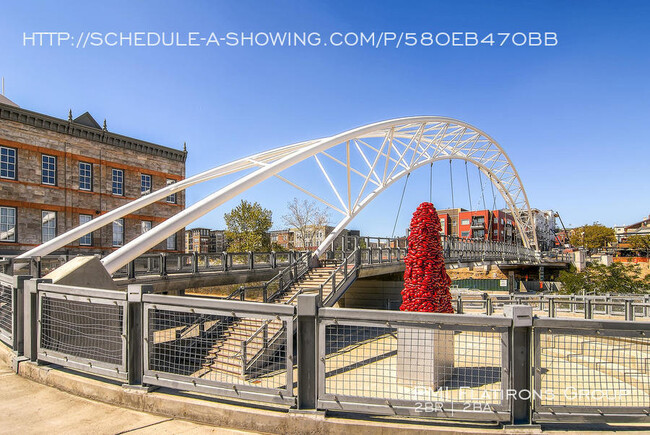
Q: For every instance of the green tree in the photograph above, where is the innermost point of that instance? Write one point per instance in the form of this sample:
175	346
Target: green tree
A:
247	227
592	237
601	279
640	243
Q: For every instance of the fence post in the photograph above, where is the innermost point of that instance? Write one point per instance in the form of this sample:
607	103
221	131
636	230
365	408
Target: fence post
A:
135	338
307	351
35	267
551	307
629	310
224	261
459	304
163	265
30	320
273	260
520	361
251	260
19	315
588	309
130	269
195	262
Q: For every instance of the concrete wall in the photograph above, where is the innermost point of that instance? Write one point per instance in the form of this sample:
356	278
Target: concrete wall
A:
373	294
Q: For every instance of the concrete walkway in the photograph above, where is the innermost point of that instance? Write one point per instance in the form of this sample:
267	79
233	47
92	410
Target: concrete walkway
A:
27	407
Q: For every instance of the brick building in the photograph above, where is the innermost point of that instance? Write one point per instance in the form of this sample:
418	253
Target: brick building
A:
205	241
56	174
283	238
495	225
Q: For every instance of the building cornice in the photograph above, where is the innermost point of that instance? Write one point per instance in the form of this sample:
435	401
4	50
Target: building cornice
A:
57	125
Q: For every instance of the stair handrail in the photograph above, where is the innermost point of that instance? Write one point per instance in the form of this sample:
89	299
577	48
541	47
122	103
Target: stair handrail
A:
305	257
265	344
352	258
241	291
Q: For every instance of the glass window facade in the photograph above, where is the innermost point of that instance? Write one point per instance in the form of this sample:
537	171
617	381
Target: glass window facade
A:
118	182
145	184
48	225
7	224
85	176
86	240
118	232
171	198
8	163
48	170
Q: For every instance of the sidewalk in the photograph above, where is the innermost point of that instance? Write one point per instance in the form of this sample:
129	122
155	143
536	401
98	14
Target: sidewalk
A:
27	407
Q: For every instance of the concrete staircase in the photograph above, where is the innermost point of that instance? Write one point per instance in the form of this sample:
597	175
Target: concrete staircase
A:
226	354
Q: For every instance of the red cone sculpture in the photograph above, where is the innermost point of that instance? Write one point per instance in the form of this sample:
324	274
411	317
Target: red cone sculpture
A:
426	283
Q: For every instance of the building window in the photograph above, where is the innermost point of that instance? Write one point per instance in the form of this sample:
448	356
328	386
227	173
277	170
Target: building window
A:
464	222
48	170
8	163
171	242
86	240
118	182
145	226
118	232
7	224
48	225
145	184
464	234
85	176
171	198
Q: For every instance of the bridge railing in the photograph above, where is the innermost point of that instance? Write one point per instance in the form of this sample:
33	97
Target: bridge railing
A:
413	364
373	251
627	307
445	366
184	342
83	329
590	370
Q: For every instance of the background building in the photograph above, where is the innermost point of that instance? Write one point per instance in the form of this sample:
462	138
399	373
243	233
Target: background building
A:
319	235
495	225
545	227
641	228
56	174
205	241
282	238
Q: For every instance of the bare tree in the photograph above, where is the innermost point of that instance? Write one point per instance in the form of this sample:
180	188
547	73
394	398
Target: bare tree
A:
307	218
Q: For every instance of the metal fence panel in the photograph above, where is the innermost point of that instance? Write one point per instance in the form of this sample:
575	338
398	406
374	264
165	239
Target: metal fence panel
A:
84	333
589	370
230	353
420	368
6	313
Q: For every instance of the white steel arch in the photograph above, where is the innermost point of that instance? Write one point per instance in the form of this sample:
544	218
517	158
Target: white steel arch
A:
356	165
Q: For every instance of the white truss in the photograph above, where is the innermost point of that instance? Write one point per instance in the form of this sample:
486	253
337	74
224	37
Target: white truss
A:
356	166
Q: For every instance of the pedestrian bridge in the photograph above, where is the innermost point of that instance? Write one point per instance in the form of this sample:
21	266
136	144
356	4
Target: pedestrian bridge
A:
173	273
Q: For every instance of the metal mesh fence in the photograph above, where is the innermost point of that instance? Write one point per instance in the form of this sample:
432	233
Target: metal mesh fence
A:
592	369
74	329
215	348
6	313
458	366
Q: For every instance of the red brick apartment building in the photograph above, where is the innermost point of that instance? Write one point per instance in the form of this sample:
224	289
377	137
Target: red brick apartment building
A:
495	225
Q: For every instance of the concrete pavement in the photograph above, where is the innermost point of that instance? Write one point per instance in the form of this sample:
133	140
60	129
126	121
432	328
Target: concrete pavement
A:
27	407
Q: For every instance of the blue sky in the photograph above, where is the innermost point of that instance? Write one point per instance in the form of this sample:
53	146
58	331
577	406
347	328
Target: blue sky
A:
570	117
